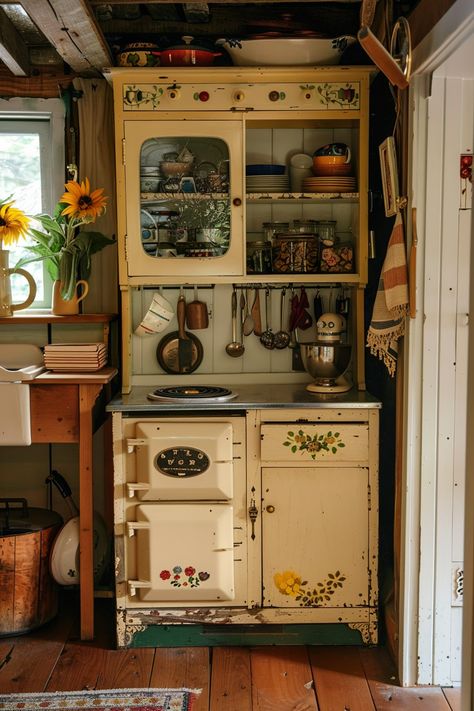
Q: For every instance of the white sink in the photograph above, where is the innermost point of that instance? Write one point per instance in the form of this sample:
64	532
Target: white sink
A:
20	362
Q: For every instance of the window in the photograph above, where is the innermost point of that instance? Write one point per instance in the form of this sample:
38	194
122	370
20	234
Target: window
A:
32	171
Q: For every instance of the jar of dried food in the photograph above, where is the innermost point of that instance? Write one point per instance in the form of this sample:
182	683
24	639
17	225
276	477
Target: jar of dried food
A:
295	254
259	257
326	230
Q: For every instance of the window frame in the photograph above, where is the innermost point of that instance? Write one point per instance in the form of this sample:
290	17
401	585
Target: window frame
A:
47	118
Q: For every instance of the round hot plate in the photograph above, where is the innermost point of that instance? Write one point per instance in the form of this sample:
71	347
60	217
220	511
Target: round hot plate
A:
192	393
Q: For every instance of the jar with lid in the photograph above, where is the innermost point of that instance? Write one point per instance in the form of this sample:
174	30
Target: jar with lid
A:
259	257
307	226
271	229
295	254
326	230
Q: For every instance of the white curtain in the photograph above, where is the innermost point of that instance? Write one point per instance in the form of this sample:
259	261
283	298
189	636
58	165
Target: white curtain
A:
97	162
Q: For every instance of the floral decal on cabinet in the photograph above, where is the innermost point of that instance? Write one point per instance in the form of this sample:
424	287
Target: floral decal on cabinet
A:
347	96
184	577
290	583
134	96
301	442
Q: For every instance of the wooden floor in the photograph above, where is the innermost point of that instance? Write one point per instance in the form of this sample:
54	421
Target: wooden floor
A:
231	678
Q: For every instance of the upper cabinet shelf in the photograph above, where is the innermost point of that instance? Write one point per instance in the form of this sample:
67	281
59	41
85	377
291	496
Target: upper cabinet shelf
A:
189	207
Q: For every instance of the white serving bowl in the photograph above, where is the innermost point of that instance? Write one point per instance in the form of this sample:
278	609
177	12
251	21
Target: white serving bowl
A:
286	51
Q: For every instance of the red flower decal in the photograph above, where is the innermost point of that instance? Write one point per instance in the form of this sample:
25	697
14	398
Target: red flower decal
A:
190	570
165	574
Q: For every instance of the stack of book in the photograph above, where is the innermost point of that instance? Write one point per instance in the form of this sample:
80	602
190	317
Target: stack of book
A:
75	357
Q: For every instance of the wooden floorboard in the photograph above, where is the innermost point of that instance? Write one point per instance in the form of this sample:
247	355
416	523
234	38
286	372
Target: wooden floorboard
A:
282	679
183	666
388	695
231	684
339	679
298	678
27	661
453	696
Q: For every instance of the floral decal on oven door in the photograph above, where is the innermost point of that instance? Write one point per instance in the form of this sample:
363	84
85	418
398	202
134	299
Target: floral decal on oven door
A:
184	577
290	583
301	442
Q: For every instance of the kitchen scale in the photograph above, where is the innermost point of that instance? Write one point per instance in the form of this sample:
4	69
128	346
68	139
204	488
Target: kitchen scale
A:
192	393
327	358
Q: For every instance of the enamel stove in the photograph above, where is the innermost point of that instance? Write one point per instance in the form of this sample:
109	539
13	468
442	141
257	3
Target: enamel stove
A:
192	393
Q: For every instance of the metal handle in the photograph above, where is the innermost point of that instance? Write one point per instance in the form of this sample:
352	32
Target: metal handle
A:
253	513
270	509
234	316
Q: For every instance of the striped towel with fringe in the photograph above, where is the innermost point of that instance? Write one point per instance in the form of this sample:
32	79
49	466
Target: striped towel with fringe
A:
391	302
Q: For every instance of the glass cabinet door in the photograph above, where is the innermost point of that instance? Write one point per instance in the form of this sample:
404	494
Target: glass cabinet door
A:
184	198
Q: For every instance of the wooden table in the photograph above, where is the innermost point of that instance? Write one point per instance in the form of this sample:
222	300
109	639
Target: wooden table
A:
62	407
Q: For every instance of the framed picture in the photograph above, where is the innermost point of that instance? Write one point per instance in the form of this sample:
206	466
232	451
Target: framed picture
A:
388	167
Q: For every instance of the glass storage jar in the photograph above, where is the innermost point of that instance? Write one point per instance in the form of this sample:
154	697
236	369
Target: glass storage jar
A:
272	229
306	226
295	254
326	230
259	257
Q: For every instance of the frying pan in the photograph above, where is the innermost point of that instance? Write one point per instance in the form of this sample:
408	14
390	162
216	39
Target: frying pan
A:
167	353
64	561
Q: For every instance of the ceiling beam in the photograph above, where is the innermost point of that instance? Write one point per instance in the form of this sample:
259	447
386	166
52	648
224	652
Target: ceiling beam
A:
70	27
13	51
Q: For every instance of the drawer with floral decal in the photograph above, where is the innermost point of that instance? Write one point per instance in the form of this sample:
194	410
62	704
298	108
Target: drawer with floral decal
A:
303	442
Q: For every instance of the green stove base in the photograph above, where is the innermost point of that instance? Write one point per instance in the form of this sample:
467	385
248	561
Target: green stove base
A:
246	635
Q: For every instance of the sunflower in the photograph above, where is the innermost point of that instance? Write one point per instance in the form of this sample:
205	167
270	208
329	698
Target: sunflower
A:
13	224
82	203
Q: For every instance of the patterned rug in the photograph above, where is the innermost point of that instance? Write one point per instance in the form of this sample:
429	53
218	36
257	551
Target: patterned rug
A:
106	700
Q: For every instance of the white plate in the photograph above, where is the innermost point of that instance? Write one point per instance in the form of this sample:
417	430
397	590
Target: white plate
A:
64	561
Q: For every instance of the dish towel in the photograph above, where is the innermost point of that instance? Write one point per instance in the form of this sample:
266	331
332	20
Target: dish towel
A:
391	301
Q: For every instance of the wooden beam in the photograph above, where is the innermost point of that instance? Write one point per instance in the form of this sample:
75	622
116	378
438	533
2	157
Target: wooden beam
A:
72	30
425	16
13	51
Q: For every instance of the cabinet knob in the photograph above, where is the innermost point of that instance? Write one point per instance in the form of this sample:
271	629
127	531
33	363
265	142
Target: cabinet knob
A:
239	95
270	509
237	202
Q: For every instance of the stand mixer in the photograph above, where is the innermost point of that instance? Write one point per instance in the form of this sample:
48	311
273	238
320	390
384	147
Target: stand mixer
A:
326	359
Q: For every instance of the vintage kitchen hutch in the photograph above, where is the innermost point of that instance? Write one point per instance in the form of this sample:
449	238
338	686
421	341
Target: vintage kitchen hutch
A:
260	508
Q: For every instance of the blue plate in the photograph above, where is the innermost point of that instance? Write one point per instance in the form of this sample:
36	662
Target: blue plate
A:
266	169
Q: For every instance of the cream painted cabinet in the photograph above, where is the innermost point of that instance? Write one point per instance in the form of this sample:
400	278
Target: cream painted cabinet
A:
316	481
194	196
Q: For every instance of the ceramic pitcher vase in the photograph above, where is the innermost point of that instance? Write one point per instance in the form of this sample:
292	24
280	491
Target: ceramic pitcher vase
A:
6	306
61	307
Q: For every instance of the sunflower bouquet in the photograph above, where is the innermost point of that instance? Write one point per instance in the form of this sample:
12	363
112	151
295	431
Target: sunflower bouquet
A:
60	242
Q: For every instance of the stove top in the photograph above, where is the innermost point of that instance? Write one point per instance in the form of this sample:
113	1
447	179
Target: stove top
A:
192	393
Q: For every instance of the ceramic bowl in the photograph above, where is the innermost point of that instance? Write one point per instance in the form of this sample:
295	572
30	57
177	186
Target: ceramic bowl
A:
149	184
286	51
325	161
328	170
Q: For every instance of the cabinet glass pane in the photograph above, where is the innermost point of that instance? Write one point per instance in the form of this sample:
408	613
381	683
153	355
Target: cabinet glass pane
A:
184	188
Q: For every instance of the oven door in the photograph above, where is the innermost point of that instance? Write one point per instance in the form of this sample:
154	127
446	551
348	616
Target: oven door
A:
181	552
185	460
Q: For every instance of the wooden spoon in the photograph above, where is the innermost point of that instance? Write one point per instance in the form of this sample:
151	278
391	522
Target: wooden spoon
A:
255	313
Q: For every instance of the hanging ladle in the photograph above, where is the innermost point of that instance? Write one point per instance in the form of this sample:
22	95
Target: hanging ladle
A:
267	338
282	337
234	349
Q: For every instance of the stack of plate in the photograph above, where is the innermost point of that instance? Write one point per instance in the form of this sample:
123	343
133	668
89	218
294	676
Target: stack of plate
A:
75	357
267	183
326	184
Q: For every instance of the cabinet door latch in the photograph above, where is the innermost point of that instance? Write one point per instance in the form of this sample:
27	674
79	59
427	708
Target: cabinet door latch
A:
253	513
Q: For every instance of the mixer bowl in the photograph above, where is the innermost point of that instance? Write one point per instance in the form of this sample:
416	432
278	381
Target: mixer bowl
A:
325	361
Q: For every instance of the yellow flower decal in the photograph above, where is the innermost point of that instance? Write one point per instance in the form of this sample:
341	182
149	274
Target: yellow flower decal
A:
301	442
82	202
288	582
13	224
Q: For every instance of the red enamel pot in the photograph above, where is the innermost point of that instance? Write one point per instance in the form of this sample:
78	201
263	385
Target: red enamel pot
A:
186	55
